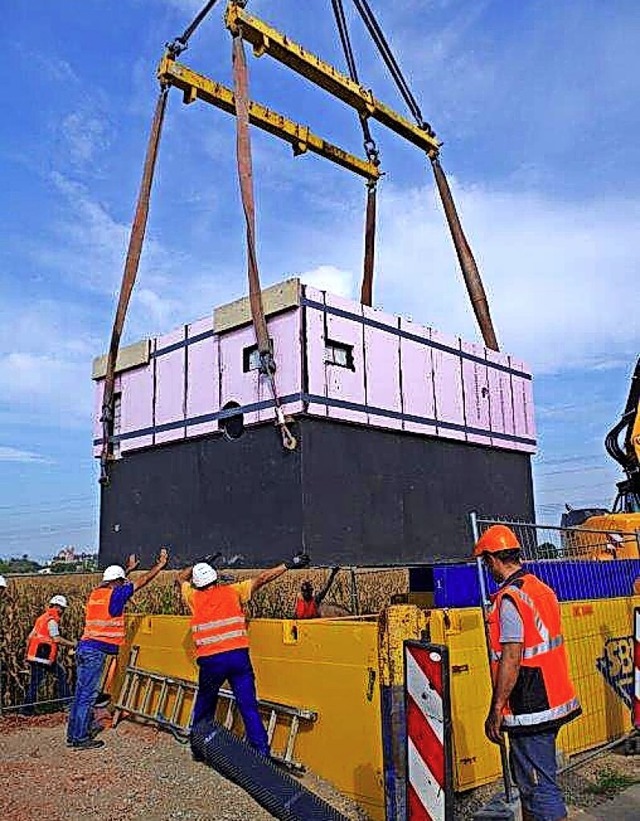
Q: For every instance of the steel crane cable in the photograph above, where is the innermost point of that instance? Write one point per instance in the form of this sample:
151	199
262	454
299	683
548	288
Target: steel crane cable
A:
132	263
377	34
180	43
366	291
470	272
245	177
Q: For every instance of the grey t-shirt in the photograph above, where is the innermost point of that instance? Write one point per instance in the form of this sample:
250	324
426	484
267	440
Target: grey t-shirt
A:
511	624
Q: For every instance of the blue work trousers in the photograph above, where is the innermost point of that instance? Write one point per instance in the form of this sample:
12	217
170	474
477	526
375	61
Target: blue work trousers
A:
235	667
90	665
38	673
533	765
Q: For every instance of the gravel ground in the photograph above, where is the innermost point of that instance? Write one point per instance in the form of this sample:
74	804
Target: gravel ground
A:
588	785
144	775
140	775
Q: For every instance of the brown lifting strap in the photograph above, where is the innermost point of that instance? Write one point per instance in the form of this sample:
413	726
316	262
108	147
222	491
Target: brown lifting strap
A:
131	265
467	261
366	292
245	176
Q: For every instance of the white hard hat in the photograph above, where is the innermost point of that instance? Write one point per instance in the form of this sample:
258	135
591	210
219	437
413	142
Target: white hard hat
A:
203	574
3	581
61	601
113	572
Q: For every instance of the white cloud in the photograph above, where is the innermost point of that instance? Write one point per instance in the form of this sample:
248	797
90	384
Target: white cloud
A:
9	454
84	135
329	278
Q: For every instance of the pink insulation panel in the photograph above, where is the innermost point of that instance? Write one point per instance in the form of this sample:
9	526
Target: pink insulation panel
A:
345	384
236	385
418	391
475	380
500	400
382	362
203	376
136	387
247	387
359	365
315	338
447	375
284	332
170	386
522	390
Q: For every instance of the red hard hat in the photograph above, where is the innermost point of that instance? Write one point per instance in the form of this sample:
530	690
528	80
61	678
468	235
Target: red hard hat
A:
496	538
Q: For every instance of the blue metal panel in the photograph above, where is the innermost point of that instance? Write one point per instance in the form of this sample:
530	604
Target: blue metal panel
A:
457	585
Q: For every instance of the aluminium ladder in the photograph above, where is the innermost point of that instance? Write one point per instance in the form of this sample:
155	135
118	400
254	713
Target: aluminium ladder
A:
162	700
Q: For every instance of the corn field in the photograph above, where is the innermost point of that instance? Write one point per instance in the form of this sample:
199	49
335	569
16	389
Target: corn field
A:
26	597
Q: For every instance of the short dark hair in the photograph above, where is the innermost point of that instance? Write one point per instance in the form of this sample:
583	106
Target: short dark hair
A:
511	556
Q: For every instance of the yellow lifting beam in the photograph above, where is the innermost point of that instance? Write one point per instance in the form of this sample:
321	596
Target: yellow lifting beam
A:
196	86
267	40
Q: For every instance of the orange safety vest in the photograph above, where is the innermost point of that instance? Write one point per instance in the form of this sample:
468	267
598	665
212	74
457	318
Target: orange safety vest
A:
40	647
543	697
99	625
306	609
218	623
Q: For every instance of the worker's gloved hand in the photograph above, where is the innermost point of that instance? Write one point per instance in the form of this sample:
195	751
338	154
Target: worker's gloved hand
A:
297	562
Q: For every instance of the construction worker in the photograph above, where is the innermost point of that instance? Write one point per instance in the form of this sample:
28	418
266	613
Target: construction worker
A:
532	692
308	604
42	652
219	632
103	634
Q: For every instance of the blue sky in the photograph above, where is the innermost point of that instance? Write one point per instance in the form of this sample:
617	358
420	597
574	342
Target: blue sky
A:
536	103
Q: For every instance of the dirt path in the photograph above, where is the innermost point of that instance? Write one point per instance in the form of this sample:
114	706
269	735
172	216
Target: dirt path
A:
139	775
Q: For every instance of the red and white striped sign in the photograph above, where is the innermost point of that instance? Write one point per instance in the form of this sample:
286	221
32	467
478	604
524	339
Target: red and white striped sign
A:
427	742
636	669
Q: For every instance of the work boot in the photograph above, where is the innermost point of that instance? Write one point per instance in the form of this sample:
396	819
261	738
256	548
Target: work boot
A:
88	744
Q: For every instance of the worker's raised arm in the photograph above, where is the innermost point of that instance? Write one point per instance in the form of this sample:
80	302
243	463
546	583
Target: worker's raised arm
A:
150	575
300	560
132	564
184	575
320	596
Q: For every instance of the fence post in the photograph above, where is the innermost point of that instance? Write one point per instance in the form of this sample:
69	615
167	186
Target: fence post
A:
428	731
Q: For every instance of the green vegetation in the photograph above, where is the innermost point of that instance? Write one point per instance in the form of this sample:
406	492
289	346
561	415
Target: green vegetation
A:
609	782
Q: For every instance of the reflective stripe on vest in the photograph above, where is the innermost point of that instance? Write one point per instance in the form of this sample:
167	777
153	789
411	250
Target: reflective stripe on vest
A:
537	650
39	638
218	623
544	716
543	693
99	625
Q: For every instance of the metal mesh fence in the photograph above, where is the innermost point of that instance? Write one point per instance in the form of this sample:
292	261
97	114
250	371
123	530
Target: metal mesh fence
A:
578	563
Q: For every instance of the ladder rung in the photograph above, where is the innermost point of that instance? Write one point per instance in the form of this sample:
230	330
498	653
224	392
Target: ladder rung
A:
273	720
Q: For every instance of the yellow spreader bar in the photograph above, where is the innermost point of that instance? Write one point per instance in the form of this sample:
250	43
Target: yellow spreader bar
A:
267	40
198	87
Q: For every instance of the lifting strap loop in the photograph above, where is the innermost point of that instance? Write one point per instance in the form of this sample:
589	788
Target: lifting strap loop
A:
366	293
245	176
131	265
468	265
